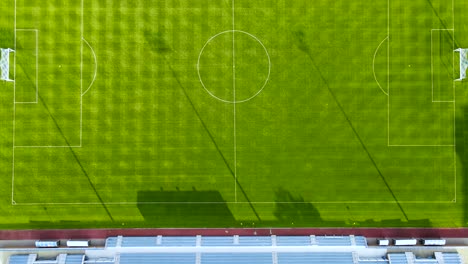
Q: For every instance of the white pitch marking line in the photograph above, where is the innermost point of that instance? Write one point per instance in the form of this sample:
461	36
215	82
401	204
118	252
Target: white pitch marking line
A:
81	73
37	63
454	107
234	98
27	29
432	69
47	146
421	145
307	202
14	118
37	66
432	64
95	66
373	65
388	72
206	44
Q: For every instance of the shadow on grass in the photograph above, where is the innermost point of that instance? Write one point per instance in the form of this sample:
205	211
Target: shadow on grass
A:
184	208
291	210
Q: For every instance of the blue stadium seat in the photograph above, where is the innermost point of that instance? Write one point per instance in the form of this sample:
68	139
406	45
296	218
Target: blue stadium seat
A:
139	241
159	258
360	241
452	258
182	241
254	241
74	259
18	259
210	241
397	258
293	241
111	242
236	258
333	240
315	258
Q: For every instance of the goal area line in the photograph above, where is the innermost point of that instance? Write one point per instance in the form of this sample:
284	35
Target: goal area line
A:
36	54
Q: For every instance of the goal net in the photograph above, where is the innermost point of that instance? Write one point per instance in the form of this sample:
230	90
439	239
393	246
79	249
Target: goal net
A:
5	65
463	63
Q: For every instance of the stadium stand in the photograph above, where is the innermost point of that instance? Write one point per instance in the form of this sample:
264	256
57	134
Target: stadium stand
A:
241	250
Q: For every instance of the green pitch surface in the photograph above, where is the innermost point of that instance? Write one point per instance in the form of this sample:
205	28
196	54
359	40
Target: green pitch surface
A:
214	113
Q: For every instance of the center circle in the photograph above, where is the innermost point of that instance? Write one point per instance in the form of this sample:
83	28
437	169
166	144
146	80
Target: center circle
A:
233	66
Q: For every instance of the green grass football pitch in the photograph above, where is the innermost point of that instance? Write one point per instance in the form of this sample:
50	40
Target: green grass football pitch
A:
213	113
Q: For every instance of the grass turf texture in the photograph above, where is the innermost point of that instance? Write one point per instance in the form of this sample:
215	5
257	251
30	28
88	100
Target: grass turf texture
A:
320	145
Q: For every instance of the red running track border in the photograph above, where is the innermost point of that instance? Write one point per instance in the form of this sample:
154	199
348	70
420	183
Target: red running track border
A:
104	233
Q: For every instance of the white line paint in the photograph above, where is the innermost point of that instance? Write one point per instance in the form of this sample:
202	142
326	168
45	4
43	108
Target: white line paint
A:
95	67
421	145
454	108
388	72
373	65
306	202
37	66
81	73
432	65
47	146
234	98
36	31
230	101
27	29
432	68
14	118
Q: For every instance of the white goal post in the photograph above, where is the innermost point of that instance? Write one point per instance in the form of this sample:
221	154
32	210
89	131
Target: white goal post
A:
5	65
